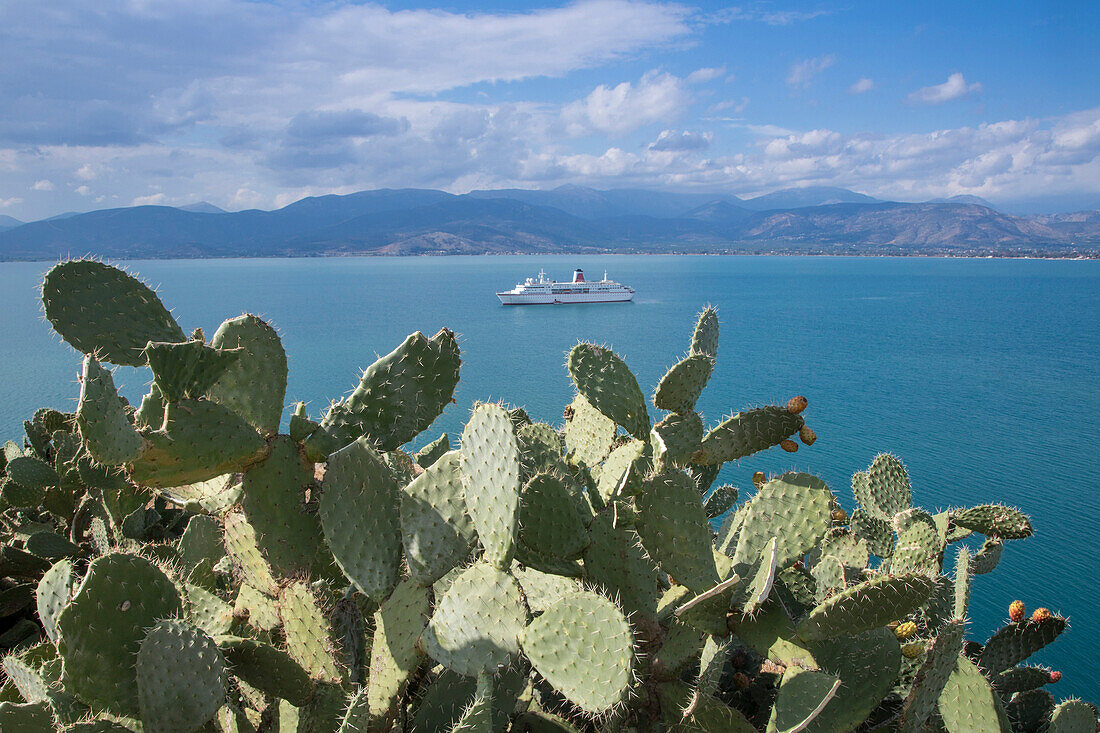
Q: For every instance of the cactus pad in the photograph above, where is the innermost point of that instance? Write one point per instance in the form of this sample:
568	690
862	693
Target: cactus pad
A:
867	665
549	524
266	668
432	452
104	427
1015	642
588	434
582	645
477	621
967	702
676	438
491	462
680	388
803	694
993	520
939	663
616	561
99	309
361	518
438	534
720	501
180	678
746	433
399	395
796	508
608	384
1073	716
53	593
101	630
871	603
308	634
675	531
887	488
398	624
704	339
186	369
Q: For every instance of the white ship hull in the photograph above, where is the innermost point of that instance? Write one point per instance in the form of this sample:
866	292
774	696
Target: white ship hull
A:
558	298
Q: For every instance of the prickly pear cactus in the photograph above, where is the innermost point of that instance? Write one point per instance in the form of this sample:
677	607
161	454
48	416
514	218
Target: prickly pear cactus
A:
183	566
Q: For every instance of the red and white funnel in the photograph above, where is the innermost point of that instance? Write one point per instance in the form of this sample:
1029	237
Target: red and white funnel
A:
578	276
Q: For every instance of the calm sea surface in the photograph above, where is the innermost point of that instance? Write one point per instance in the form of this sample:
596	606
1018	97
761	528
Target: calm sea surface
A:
982	375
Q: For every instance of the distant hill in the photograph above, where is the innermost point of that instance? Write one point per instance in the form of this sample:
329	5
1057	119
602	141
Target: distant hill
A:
795	198
8	222
567	219
203	207
964	199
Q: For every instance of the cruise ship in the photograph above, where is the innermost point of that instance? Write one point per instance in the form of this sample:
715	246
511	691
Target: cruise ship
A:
542	291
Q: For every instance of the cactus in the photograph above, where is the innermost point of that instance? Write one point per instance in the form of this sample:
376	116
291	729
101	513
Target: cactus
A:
184	566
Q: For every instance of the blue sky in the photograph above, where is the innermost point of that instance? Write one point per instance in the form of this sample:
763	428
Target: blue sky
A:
256	104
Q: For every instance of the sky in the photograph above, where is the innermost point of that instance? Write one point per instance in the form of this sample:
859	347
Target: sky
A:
255	104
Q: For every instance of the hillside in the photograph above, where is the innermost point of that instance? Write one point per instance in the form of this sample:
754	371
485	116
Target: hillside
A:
566	219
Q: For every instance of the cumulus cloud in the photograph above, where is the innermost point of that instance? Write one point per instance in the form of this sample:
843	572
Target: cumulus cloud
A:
83	190
954	88
803	72
42	185
862	85
657	97
5	203
681	140
150	200
700	76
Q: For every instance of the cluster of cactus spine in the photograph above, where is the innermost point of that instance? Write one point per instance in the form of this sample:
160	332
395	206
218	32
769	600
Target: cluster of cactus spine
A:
183	566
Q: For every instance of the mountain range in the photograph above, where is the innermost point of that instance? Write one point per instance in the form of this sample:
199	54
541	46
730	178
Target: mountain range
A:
573	219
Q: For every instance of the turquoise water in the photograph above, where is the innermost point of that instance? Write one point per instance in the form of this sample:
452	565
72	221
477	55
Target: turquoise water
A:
980	374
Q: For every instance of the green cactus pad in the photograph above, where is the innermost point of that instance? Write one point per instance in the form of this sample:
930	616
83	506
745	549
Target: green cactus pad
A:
1073	716
967	702
802	696
549	524
268	669
542	589
31	717
180	678
962	582
186	369
432	452
203	539
438	533
207	611
1016	642
53	594
308	634
608	384
829	577
477	621
987	557
1031	710
622	472
852	551
867	664
26	679
588	434
709	716
537	721
200	440
398	624
540	448
796	508
582	645
939	663
274	503
993	520
704	339
615	561
243	550
261	610
919	549
681	386
253	386
877	532
399	395
101	629
887	488
99	309
712	662
872	603
770	634
32	473
675	531
104	426
747	432
720	501
491	461
361	518
675	439
443	702
1020	679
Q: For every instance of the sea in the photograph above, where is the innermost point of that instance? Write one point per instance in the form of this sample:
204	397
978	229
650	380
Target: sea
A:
980	374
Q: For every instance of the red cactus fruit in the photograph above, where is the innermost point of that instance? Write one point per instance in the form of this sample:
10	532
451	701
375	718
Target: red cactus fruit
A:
807	435
1016	611
1055	676
741	681
840	516
788	445
758	479
1041	614
797	404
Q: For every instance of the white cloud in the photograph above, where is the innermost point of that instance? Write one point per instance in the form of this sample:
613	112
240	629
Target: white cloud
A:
5	203
83	190
862	85
85	172
670	140
803	72
954	88
657	97
736	106
42	185
700	76
150	200
770	17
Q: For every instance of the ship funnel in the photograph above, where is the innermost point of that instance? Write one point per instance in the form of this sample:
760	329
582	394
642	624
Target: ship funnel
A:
578	276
